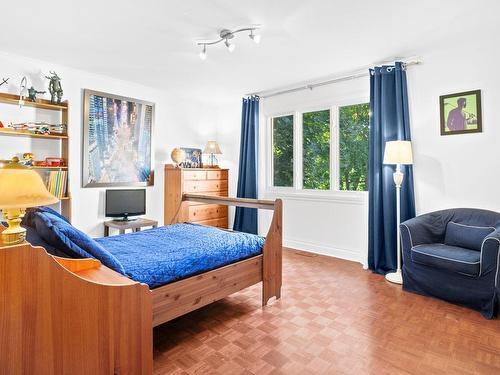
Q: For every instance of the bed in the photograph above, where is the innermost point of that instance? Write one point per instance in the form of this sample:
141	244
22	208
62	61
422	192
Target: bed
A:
185	266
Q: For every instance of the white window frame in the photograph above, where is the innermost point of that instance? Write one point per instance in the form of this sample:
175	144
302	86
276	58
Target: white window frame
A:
297	189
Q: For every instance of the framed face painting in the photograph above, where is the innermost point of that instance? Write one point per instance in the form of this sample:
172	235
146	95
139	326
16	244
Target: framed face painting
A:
461	113
117	140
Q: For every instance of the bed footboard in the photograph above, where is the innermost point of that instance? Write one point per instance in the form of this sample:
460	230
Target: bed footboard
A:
70	316
272	252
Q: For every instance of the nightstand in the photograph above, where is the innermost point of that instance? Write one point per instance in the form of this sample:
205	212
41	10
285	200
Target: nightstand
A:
122	226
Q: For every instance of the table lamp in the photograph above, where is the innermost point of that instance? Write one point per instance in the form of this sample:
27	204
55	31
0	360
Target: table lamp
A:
397	152
20	188
213	149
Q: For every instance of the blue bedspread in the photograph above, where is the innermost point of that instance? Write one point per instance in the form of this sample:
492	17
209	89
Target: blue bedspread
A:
166	254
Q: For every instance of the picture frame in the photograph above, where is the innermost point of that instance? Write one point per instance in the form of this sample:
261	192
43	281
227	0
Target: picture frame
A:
193	158
117	140
460	113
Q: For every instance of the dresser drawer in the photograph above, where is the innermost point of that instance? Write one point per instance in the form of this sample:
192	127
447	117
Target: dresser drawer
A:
206	212
194	175
217	175
220	223
204	186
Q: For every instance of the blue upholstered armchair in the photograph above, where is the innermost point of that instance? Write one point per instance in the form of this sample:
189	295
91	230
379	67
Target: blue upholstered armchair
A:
454	255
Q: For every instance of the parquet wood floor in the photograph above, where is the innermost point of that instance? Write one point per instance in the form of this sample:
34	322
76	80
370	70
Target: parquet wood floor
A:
333	318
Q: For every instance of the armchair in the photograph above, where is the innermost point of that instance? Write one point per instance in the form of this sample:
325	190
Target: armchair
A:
454	255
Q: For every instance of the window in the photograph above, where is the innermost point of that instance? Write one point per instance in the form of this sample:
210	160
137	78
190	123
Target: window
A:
316	150
321	150
354	124
283	151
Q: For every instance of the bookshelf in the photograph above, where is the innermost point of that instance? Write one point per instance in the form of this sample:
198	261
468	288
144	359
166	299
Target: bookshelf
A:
62	140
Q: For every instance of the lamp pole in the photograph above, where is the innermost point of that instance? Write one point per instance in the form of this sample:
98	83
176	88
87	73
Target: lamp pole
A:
396	277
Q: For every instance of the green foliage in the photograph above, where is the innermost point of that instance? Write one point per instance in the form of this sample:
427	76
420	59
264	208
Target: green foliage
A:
354	126
283	150
316	150
353	149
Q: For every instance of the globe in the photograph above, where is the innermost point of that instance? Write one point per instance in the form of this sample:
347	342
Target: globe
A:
178	156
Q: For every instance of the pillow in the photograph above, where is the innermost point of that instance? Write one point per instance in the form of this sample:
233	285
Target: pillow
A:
62	235
468	236
34	239
28	219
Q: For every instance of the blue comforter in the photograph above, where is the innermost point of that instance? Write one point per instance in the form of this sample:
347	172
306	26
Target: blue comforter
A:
166	254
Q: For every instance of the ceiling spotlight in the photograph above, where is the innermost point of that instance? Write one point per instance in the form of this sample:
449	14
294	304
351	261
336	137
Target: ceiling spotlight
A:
203	53
224	36
230	46
255	38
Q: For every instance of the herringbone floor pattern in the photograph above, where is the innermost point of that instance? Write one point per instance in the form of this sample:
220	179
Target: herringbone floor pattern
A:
333	318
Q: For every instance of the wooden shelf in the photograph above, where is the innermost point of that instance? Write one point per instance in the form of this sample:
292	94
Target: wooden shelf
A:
25	133
40	103
49	168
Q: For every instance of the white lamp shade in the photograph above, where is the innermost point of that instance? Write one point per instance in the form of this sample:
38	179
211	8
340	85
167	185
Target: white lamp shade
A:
23	188
398	152
212	148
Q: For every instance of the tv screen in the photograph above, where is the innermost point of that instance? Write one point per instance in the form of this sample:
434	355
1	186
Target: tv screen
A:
125	203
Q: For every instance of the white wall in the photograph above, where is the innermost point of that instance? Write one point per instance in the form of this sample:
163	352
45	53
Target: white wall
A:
178	122
456	170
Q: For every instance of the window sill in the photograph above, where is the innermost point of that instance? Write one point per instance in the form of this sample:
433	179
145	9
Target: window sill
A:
349	197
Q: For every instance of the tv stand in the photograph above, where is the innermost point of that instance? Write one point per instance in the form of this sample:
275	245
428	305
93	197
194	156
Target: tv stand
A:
126	219
122	225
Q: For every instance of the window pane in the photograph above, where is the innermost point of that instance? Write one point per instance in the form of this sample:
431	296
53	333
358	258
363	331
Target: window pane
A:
353	133
316	150
283	151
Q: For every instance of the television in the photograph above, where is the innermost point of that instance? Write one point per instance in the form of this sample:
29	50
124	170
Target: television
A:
123	203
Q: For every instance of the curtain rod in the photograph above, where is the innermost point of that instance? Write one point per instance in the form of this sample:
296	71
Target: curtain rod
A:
355	75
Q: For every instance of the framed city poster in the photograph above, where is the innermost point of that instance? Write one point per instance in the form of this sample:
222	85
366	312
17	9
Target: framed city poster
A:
117	140
461	113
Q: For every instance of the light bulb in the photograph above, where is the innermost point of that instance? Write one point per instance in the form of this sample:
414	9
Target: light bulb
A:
230	47
203	53
255	38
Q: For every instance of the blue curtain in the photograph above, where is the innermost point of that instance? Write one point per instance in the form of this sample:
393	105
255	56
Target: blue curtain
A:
389	121
245	219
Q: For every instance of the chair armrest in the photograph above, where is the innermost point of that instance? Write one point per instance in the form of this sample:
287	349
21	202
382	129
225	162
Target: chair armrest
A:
490	254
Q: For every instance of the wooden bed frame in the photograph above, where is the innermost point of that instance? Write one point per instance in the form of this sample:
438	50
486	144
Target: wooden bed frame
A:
76	316
178	298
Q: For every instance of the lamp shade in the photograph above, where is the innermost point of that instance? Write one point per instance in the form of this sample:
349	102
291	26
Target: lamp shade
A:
22	188
398	152
212	148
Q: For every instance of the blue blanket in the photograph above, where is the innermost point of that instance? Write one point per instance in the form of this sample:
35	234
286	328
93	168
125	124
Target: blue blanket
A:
166	254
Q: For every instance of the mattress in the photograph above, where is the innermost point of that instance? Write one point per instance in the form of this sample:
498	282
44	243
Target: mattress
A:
163	255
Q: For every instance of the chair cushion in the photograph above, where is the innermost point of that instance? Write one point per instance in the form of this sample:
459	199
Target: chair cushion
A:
468	236
450	258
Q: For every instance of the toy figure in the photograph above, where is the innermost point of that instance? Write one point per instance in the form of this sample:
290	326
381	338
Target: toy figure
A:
55	88
28	159
32	93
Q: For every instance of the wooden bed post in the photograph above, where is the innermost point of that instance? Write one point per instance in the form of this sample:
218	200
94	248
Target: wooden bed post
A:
272	264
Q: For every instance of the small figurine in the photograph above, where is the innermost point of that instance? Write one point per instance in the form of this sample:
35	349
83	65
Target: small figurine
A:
32	93
4	81
28	159
55	88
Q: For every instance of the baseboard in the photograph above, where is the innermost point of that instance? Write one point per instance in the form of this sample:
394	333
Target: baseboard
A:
322	249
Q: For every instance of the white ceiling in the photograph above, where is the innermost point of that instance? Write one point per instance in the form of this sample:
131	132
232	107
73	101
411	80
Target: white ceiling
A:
153	42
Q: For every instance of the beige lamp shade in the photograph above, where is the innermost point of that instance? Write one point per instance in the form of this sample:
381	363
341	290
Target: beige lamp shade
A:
22	188
398	152
212	148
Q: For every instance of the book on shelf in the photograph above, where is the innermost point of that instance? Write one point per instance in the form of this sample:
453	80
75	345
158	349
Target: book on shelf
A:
57	183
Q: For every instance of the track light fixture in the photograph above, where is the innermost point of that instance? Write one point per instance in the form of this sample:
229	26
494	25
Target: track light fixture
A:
225	35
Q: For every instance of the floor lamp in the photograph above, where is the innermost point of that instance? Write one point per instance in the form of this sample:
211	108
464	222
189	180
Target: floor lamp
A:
397	152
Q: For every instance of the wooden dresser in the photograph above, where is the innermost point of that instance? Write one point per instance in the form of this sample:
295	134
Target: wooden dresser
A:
208	181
